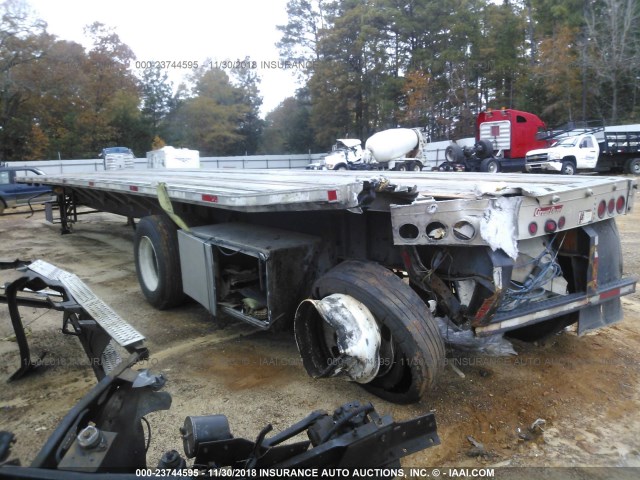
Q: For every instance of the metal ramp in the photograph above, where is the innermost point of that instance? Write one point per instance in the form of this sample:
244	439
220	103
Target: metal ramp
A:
98	327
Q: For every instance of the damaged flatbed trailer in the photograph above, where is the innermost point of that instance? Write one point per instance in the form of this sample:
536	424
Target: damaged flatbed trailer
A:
373	271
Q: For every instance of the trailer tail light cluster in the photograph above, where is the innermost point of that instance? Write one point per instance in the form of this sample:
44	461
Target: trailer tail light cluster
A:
604	207
612	206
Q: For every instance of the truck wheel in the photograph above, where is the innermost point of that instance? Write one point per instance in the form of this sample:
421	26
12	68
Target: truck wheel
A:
342	166
412	352
2	206
401	167
490	165
453	153
158	262
632	167
416	167
484	149
568	168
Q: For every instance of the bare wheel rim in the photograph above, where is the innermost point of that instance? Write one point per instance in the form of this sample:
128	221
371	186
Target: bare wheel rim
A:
148	263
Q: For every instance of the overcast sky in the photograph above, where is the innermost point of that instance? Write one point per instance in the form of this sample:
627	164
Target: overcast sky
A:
190	30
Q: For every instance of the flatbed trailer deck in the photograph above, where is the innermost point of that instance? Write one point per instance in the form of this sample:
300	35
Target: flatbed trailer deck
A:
370	267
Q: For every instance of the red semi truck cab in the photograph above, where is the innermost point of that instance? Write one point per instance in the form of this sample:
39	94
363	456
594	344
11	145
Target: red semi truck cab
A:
512	133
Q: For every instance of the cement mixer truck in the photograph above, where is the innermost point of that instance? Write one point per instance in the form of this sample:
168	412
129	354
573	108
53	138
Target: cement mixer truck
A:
396	149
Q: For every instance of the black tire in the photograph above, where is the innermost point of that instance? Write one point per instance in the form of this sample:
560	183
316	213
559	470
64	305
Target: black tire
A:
484	148
401	167
416	167
158	261
490	165
2	206
568	168
632	166
453	153
342	166
403	317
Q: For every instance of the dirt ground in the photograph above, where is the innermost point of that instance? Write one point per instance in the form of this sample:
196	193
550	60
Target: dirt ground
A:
586	389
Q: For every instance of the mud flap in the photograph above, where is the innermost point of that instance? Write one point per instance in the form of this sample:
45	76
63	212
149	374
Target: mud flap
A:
597	316
603	237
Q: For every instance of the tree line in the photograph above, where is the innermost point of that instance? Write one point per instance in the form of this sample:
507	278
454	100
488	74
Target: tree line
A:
59	99
368	65
377	64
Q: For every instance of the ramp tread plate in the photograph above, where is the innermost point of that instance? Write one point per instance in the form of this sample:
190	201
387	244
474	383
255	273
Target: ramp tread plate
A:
113	324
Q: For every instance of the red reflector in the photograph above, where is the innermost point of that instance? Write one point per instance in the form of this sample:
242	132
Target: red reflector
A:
92	184
620	204
209	198
602	207
133	188
533	228
611	206
611	293
550	226
561	222
332	195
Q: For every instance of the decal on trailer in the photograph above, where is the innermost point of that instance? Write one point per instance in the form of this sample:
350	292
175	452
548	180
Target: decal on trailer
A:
585	217
545	211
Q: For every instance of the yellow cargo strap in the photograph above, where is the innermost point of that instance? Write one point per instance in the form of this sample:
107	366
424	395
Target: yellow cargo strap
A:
165	203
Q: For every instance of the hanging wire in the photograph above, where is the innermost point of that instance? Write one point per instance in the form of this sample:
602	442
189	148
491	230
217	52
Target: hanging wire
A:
520	293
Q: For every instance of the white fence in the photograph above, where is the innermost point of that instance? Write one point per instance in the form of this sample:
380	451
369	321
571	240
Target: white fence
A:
434	155
52	167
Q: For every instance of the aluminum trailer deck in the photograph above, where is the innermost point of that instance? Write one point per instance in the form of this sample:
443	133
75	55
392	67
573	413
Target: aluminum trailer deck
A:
262	190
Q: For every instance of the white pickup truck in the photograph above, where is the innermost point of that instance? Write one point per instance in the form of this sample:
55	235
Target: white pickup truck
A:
618	149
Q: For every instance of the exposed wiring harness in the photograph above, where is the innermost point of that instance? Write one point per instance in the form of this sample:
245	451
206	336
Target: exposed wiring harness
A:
545	269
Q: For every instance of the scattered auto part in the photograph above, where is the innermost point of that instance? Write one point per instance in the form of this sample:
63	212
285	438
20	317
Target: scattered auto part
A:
103	433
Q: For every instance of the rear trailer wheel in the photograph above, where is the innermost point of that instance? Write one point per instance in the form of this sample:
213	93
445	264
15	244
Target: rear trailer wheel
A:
158	262
411	352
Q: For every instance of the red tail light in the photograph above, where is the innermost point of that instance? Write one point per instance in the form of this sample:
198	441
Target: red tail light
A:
561	222
550	226
602	208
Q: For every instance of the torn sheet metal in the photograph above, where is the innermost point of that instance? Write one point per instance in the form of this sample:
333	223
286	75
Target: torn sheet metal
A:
486	221
499	226
464	339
